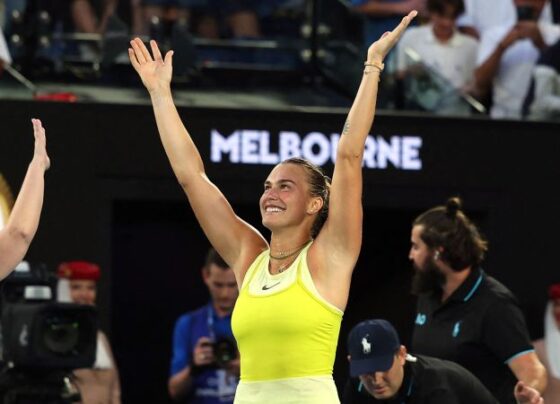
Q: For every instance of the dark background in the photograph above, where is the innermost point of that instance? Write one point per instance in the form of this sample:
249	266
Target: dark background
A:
111	198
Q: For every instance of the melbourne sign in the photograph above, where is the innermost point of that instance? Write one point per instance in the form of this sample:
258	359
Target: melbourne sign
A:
249	146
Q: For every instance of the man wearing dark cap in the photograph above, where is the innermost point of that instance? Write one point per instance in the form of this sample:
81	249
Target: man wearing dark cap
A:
78	284
383	371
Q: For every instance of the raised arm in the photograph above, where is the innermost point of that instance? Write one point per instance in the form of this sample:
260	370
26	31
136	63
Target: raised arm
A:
339	242
22	224
236	241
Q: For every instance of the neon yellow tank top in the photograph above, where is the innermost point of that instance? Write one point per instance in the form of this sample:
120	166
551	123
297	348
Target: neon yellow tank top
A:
283	327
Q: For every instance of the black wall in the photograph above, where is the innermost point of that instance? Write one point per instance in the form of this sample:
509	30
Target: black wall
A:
111	198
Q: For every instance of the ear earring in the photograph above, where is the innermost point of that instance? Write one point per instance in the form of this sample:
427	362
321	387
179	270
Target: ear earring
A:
436	255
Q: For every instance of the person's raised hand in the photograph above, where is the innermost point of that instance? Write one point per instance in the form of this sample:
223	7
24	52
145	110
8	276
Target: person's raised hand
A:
380	48
530	30
510	38
154	70
40	151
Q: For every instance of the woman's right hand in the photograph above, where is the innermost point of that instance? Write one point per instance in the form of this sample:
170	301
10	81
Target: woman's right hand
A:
155	71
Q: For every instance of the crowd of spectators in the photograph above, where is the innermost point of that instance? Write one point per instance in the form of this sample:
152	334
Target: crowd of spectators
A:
492	50
503	53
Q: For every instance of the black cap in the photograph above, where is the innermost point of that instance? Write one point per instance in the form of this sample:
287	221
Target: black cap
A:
372	346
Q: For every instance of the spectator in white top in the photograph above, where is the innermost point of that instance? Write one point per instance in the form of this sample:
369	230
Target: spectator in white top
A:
481	15
440	45
508	53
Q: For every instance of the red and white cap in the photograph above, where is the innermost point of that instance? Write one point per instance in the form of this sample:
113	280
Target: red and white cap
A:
82	270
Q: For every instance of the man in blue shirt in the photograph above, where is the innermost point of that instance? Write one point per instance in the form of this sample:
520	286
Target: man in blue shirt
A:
205	362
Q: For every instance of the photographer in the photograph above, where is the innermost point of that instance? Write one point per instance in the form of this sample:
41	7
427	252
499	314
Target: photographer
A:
100	384
22	224
205	362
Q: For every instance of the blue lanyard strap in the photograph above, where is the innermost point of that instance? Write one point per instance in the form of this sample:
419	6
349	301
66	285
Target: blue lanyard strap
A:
210	323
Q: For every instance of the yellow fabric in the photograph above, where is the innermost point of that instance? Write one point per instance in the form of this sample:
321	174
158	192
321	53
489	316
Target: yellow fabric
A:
303	390
287	332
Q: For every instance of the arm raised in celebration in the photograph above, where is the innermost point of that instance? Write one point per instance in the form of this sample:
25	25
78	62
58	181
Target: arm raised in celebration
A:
235	240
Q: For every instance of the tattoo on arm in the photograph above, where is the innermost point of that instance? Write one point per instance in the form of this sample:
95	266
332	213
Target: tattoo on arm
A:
346	127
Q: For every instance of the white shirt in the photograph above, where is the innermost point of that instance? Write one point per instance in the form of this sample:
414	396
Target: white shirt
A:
4	53
516	66
454	59
486	14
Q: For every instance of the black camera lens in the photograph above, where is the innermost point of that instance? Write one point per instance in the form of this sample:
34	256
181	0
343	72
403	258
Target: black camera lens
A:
61	335
225	350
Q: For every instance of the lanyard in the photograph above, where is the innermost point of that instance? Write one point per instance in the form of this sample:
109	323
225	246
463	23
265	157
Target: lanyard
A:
210	322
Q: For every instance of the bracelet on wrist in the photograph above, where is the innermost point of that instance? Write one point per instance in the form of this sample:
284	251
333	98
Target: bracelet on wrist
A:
370	67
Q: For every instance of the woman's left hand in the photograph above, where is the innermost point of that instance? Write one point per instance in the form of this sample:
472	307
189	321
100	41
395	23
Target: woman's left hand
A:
380	48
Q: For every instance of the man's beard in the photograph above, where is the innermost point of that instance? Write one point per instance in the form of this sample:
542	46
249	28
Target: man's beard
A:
427	280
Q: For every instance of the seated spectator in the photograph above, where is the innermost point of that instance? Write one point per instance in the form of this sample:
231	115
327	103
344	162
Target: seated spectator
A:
543	99
440	45
209	18
87	19
383	371
480	15
508	53
548	349
167	10
100	384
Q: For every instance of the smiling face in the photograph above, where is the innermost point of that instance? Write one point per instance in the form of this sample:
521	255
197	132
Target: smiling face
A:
286	200
83	291
444	22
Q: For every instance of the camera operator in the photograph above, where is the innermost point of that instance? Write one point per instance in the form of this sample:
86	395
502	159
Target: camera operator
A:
22	224
99	385
205	362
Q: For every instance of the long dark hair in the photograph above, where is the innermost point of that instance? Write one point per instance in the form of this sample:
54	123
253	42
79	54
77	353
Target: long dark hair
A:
319	185
448	227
